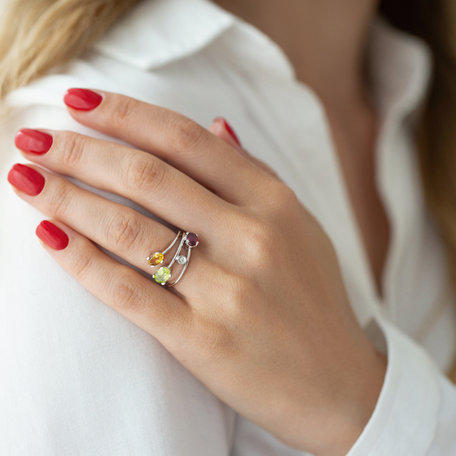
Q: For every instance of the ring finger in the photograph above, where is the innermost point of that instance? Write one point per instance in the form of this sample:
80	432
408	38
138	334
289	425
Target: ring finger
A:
120	229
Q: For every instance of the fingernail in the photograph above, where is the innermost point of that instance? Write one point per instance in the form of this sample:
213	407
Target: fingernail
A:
26	179
52	235
34	141
229	129
82	99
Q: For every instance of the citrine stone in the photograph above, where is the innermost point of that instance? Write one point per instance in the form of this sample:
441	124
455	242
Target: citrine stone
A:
156	259
162	275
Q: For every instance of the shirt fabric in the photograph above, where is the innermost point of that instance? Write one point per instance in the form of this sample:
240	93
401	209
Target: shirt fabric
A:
79	379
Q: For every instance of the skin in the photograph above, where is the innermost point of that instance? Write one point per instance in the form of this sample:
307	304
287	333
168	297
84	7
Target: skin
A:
281	346
325	41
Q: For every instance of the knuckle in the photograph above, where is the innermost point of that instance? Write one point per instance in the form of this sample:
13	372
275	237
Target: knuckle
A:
213	339
219	340
188	134
81	264
247	307
123	231
260	242
122	112
144	174
125	295
236	291
72	146
283	195
59	198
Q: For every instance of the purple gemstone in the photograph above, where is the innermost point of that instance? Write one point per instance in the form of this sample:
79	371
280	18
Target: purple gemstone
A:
192	240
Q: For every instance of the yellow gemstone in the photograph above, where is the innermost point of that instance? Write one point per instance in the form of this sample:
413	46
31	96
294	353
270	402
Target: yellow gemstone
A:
155	259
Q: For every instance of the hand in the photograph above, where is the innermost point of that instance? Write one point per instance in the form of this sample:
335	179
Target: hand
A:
261	315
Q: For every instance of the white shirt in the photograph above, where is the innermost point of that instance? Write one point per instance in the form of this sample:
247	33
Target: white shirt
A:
79	379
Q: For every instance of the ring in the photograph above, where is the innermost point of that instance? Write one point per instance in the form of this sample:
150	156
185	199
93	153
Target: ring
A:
164	273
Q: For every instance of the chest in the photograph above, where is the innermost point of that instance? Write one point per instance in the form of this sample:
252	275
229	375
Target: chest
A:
355	151
357	165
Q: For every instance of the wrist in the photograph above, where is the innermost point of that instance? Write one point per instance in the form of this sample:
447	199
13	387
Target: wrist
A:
356	406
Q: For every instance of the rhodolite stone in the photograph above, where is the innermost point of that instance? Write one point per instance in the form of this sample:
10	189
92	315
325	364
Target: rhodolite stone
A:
192	240
162	275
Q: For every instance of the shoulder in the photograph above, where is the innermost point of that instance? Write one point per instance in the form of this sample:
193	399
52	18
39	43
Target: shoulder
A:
141	55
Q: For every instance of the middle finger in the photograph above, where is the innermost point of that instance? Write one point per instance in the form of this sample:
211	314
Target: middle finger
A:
162	189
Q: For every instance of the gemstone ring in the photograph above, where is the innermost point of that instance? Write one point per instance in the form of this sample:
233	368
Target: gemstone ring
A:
164	273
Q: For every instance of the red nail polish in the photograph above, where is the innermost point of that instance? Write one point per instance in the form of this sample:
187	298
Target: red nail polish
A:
52	235
26	179
230	130
82	99
34	141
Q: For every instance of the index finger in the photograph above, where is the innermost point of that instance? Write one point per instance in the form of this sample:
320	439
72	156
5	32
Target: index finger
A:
173	137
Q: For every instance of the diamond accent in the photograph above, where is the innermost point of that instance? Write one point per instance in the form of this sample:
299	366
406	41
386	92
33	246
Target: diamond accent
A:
181	259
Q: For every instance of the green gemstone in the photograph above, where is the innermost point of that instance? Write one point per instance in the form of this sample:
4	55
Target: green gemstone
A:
162	275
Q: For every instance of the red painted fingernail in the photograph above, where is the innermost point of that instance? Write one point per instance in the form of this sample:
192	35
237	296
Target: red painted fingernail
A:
229	129
82	99
52	235
26	179
34	141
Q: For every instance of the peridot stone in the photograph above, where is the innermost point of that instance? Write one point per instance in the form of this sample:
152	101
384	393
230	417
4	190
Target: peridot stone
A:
162	275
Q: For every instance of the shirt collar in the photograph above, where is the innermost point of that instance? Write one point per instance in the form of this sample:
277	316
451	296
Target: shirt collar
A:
400	67
157	32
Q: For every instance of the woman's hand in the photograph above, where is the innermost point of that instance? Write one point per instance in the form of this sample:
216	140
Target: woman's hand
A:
261	315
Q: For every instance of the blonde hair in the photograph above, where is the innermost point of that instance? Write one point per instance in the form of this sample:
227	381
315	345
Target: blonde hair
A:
37	35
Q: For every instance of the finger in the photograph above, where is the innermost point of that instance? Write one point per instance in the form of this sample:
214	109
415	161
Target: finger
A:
221	128
137	175
152	308
119	229
175	138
